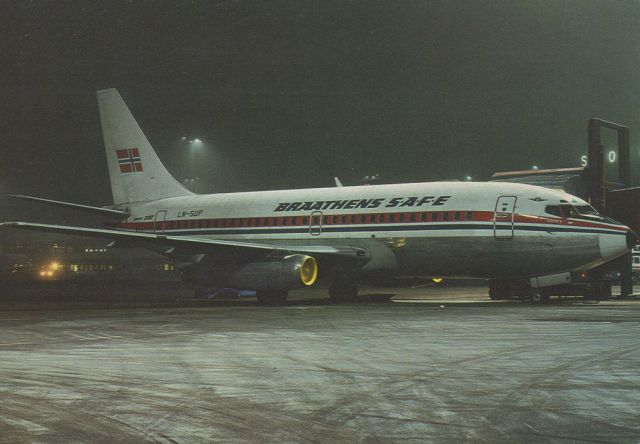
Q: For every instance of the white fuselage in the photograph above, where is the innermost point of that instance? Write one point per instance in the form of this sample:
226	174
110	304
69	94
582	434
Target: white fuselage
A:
436	228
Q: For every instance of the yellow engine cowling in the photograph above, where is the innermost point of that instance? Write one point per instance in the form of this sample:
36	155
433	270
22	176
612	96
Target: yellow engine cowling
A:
286	273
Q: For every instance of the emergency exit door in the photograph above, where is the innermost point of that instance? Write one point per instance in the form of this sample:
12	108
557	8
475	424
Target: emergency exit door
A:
503	217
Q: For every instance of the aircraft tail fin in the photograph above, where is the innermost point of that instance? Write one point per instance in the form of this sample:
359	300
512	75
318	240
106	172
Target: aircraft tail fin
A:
135	171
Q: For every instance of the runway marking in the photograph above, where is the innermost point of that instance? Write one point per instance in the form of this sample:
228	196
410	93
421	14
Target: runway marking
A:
449	302
93	337
29	426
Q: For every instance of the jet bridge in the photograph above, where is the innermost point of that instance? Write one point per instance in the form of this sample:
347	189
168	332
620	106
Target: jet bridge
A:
612	197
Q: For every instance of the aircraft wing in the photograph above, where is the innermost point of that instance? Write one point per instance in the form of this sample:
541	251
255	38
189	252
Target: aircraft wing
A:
183	247
109	212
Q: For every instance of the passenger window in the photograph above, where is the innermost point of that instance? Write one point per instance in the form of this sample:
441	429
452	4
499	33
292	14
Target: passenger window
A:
434	216
445	216
469	215
456	215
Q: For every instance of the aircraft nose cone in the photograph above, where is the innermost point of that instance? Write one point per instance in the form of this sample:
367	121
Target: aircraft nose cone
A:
614	245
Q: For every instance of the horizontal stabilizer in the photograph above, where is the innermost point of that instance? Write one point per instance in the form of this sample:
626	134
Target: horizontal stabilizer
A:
117	214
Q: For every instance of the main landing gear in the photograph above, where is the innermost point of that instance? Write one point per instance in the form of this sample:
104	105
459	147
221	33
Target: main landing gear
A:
271	297
343	289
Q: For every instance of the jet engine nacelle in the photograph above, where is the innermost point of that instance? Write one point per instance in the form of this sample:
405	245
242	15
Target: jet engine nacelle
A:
286	273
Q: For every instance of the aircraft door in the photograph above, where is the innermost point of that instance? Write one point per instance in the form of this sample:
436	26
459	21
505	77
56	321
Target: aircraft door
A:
315	223
158	223
503	217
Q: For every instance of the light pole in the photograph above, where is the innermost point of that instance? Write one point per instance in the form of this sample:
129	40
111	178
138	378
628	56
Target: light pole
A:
192	146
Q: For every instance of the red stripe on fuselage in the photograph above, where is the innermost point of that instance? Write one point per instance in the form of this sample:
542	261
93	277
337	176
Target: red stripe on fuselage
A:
360	218
529	219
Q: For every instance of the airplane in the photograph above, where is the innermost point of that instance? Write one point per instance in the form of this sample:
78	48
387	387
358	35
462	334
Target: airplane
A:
513	235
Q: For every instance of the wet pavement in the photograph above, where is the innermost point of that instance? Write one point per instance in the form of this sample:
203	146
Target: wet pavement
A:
454	369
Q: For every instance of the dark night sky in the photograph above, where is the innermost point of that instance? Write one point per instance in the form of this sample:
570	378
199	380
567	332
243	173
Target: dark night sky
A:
289	94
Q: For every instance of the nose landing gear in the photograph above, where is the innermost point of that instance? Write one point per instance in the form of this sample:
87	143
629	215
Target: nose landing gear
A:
501	290
539	296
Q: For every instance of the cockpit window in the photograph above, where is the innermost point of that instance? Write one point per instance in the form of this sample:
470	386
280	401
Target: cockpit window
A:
569	211
586	210
554	210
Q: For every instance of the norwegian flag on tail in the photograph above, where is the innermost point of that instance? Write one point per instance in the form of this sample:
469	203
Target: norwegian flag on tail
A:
129	160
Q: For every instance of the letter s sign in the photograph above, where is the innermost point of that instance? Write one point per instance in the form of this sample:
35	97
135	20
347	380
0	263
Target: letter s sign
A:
583	160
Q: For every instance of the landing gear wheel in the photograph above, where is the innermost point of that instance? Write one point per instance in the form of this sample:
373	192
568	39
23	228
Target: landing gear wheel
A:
343	291
271	297
539	296
499	291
